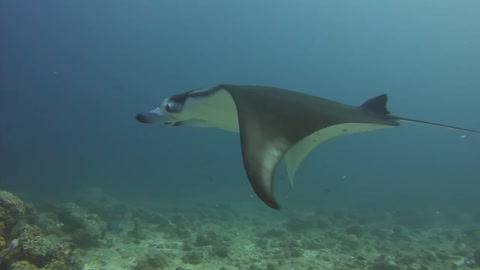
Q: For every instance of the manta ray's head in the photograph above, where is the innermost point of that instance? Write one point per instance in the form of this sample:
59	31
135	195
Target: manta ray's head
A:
203	107
169	113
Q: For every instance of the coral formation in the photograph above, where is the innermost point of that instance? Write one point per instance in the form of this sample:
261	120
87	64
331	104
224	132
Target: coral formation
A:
105	206
355	229
49	238
138	231
476	257
152	262
12	210
28	247
85	229
193	257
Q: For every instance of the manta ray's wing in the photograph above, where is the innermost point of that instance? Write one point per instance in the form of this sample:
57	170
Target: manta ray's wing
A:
274	121
298	152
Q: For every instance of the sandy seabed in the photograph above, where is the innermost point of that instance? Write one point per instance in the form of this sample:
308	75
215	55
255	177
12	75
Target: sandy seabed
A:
99	232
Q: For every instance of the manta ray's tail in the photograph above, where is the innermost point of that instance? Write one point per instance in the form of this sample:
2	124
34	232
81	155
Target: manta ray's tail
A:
434	124
378	105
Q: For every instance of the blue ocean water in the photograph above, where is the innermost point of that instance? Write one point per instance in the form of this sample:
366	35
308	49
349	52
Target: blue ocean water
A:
74	74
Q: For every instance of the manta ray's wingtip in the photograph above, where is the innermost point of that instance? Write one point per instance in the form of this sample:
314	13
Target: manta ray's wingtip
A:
264	191
271	202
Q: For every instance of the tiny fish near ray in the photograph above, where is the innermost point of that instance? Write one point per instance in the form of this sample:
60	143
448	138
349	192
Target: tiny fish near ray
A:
274	123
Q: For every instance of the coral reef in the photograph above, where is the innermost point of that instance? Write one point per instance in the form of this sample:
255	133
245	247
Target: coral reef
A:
138	231
476	256
28	247
193	257
85	229
50	238
105	206
152	262
12	210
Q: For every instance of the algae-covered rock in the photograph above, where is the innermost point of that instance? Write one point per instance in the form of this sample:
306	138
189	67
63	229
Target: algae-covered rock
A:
314	244
193	257
384	266
3	242
294	252
180	227
96	200
49	223
41	251
291	249
12	209
356	230
206	239
27	248
428	256
86	229
139	231
221	251
400	233
476	256
349	242
22	265
152	262
262	243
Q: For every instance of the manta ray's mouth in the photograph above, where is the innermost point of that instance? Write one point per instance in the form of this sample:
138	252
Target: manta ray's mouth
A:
156	115
142	118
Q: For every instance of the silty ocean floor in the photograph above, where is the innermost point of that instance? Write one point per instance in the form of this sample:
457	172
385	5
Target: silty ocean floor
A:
97	231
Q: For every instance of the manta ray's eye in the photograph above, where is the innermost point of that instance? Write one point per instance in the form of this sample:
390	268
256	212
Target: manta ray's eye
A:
172	106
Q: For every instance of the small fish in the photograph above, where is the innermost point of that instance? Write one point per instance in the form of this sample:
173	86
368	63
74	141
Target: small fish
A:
13	244
114	227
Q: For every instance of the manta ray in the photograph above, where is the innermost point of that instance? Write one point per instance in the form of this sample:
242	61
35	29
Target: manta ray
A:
274	123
